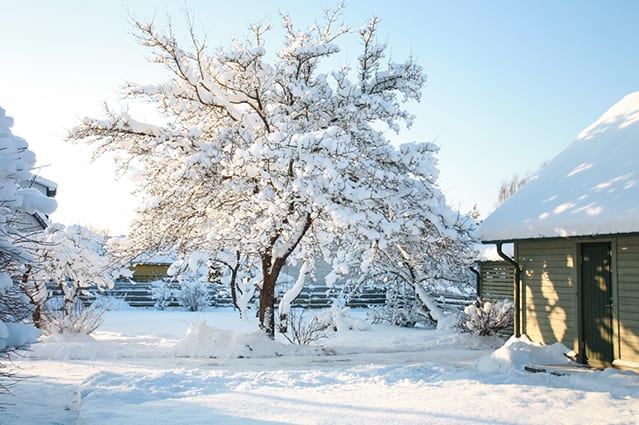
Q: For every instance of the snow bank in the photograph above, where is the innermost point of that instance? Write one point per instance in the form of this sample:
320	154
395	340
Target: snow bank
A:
70	346
203	340
517	353
17	335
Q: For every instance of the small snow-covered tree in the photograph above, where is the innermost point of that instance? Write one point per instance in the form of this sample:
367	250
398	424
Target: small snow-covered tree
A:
237	272
276	158
240	274
428	248
434	261
162	293
74	259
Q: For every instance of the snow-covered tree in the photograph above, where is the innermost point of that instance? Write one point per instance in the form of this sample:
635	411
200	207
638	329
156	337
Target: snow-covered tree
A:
430	248
72	258
275	156
239	273
18	204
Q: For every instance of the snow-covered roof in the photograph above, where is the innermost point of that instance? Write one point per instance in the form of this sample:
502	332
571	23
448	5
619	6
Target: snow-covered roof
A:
590	188
156	258
49	184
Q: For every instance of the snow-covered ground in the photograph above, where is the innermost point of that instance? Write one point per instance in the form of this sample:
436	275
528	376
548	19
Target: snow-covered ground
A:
151	367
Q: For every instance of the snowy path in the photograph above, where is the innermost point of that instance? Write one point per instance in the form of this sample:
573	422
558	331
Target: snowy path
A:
50	394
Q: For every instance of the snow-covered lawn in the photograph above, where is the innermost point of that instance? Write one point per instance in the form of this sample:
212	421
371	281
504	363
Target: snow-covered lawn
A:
135	370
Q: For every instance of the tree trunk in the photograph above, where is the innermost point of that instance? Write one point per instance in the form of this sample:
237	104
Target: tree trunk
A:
289	297
267	302
234	270
33	298
271	267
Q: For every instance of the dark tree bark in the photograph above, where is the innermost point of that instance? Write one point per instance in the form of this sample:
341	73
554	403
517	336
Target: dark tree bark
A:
271	268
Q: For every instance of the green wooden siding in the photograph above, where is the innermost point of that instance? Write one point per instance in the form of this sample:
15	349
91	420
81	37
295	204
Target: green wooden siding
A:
550	273
549	280
628	298
497	281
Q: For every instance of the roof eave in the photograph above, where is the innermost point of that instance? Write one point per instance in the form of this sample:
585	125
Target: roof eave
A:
591	236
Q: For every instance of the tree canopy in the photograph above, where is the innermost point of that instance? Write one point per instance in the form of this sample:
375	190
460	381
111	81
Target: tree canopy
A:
276	158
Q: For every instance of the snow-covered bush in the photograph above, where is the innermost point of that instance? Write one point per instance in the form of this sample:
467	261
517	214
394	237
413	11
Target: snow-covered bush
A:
402	308
302	331
162	293
194	295
20	206
192	273
63	316
402	316
485	318
73	259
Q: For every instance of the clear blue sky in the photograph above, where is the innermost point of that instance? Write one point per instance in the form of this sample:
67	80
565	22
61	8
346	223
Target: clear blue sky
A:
510	83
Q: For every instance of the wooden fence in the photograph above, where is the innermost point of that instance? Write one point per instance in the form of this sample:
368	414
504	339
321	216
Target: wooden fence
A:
139	294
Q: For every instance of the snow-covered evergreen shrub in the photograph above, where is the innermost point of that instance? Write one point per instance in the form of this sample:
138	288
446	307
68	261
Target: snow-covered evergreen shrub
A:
485	318
19	202
162	294
194	295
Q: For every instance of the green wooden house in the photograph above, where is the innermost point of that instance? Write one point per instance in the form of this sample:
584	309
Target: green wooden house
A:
575	229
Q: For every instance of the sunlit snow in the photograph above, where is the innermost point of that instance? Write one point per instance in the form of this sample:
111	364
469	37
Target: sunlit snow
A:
162	367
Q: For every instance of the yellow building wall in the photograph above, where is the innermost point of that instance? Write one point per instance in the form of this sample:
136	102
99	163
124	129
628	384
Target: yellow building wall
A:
149	272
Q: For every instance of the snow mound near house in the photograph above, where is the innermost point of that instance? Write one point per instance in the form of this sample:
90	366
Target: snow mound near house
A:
517	353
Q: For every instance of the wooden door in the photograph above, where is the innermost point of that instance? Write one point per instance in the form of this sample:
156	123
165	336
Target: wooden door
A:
596	303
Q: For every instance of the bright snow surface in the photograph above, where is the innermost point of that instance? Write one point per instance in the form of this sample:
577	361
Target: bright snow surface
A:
590	188
133	371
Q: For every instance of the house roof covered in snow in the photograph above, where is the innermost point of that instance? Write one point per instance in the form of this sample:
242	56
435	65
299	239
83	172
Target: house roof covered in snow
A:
590	188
